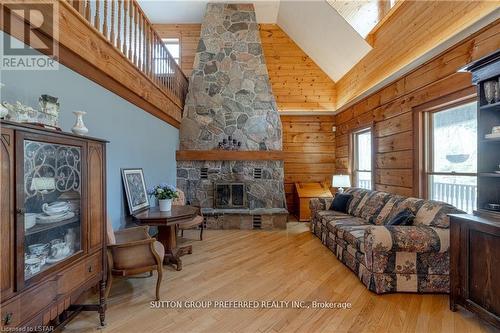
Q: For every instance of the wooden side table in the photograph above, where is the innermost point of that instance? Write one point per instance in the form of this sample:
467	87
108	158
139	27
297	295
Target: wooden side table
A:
304	193
167	235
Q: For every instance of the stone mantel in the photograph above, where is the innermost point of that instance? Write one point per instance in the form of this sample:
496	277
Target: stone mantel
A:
229	155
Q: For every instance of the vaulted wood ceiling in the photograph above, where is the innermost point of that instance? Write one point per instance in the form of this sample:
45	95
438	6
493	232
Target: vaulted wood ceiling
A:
399	39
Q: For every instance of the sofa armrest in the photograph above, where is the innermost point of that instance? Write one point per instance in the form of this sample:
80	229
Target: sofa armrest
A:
417	239
317	204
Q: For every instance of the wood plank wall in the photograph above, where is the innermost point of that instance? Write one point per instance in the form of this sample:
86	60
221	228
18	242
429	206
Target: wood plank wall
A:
416	28
313	141
298	83
189	35
391	111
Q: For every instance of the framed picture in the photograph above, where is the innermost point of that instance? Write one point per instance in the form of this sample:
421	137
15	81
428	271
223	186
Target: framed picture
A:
135	189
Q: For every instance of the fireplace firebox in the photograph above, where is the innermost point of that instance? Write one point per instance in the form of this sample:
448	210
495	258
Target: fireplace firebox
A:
230	195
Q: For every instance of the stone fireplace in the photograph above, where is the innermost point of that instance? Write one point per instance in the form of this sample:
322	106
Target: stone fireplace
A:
230	95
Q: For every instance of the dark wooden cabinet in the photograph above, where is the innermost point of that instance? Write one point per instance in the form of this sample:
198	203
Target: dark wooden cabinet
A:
475	266
475	239
52	225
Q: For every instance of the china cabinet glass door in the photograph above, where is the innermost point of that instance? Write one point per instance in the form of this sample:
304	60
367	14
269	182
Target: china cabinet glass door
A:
52	202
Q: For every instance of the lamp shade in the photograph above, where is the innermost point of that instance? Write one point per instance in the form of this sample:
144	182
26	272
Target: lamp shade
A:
341	181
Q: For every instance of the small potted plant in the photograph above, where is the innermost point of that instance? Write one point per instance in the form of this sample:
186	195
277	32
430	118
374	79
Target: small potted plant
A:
164	193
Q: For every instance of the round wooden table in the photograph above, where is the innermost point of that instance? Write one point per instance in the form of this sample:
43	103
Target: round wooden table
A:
167	233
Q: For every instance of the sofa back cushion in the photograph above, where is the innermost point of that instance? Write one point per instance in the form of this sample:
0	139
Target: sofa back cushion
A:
370	206
357	196
413	204
382	217
435	214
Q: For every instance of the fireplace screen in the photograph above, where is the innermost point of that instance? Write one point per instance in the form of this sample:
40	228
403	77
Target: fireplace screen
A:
230	195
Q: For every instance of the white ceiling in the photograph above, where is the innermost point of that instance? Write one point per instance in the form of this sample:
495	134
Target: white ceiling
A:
192	11
323	34
314	25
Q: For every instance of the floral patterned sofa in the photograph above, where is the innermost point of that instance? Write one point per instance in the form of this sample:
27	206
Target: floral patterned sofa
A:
388	258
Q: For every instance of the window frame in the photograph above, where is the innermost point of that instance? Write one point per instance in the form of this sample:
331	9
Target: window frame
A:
423	155
353	155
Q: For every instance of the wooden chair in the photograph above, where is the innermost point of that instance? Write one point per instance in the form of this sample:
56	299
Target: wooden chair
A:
195	222
132	251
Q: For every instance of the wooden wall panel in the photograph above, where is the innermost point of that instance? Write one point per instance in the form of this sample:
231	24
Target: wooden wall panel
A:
418	26
298	83
391	111
189	36
309	145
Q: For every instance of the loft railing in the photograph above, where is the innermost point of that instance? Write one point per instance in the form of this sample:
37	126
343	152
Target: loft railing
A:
125	26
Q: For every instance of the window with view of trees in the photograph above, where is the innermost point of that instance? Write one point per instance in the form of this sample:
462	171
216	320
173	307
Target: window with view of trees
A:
362	158
451	171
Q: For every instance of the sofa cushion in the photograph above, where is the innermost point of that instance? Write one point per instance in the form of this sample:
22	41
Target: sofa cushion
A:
353	235
341	202
393	201
332	224
435	214
413	204
375	201
357	195
404	217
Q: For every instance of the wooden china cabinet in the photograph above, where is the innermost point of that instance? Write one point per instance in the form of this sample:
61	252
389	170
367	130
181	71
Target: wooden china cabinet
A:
53	209
475	239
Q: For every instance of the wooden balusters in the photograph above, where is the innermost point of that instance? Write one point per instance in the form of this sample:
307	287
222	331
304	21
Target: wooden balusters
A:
125	5
131	23
112	37
105	19
126	27
87	10
96	16
119	31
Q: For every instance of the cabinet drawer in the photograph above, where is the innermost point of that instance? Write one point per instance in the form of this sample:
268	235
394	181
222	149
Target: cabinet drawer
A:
29	303
79	273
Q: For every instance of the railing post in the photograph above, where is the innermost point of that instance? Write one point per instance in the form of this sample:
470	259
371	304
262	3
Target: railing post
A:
97	24
112	36
105	20
131	22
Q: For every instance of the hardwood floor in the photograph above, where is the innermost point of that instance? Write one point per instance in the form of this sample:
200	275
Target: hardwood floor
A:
275	266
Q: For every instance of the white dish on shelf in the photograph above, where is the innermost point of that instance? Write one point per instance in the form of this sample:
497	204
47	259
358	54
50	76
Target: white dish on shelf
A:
497	171
52	260
492	136
47	219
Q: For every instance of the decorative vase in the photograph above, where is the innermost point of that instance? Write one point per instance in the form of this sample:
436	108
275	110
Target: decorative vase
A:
165	205
3	111
79	128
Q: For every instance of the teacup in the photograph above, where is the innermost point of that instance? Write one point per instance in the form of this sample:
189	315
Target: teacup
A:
59	250
32	265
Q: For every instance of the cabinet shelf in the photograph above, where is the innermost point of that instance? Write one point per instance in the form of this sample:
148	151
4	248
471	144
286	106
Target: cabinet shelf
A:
490	106
489	174
49	226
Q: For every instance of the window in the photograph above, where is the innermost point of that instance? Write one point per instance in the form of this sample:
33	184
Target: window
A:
362	158
174	47
451	156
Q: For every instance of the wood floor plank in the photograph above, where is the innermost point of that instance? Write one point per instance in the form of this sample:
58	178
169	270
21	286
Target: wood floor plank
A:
289	265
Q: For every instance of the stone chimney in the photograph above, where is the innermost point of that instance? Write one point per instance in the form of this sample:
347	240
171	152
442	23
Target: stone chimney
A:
229	90
230	95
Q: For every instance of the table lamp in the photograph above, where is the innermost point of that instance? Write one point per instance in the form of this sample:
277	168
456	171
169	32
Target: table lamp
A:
341	181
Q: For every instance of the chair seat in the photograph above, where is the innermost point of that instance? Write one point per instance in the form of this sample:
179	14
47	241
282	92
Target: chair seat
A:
160	250
196	221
